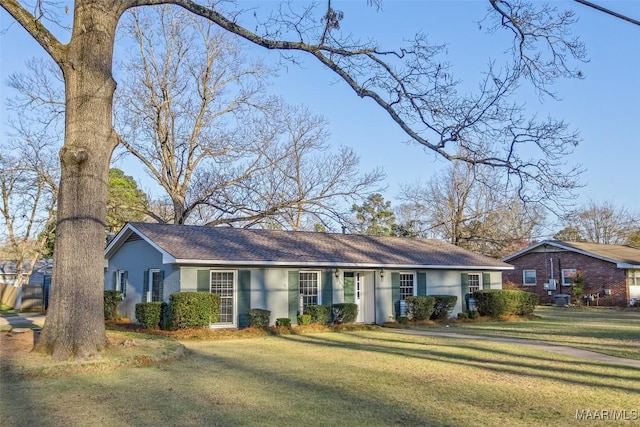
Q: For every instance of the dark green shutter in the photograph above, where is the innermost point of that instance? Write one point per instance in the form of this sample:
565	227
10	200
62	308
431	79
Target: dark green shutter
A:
244	297
145	285
464	290
486	281
422	283
124	283
204	281
160	290
349	288
294	296
115	280
395	293
327	287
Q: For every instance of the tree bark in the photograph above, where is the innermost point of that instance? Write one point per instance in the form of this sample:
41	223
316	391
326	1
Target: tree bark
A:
72	328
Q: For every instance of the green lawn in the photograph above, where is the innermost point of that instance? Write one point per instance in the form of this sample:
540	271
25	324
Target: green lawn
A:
351	379
610	331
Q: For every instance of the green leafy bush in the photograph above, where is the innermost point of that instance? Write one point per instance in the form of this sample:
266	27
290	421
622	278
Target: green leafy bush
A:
283	322
258	317
319	313
443	306
344	313
463	315
473	314
111	301
403	320
304	319
420	307
193	309
504	302
149	314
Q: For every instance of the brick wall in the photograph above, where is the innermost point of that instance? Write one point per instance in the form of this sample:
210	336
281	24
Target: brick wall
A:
598	275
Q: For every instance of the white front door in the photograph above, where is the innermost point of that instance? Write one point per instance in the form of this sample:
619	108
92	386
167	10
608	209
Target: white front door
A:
364	296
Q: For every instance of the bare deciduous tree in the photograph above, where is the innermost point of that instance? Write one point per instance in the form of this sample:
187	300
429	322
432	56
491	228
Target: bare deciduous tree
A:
602	223
410	84
466	205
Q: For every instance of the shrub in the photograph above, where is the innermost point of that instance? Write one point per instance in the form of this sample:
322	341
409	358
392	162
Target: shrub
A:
149	314
420	308
504	302
193	309
258	317
473	314
319	313
344	313
304	319
463	315
283	321
111	301
403	320
443	306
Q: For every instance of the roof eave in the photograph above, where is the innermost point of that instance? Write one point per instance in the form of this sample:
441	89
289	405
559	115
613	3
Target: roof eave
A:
335	265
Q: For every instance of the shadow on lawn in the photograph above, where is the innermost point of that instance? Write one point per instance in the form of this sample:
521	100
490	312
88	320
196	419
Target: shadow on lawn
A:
587	374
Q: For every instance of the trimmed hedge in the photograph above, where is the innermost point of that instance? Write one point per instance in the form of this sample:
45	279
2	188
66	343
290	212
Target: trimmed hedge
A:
344	313
258	317
505	302
283	322
304	319
319	313
420	307
444	305
111	301
193	309
149	314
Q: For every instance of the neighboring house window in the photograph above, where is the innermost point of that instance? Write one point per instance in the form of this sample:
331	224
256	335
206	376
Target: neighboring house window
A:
309	283
223	284
155	279
121	282
529	277
634	277
568	274
407	285
474	282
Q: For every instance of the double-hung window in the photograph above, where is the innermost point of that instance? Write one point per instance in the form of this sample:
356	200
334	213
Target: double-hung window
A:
568	274
309	283
121	282
407	285
474	282
529	277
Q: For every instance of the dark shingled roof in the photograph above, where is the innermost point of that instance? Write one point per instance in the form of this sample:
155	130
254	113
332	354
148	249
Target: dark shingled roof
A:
255	246
618	254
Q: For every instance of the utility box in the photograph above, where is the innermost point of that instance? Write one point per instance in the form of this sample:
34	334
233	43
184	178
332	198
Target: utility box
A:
561	300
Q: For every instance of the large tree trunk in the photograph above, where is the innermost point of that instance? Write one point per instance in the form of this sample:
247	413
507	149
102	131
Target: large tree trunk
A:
75	321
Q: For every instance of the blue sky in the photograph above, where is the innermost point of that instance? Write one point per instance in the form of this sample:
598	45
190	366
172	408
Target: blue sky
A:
604	107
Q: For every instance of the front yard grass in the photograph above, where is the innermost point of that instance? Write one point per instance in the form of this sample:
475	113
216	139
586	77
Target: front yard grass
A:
611	331
349	378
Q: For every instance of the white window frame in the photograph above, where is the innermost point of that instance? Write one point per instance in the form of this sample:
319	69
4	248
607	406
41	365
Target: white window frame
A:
414	289
472	289
319	288
634	277
149	296
565	272
234	297
524	277
120	279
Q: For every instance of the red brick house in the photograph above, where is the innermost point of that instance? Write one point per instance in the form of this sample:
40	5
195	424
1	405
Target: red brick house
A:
611	272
